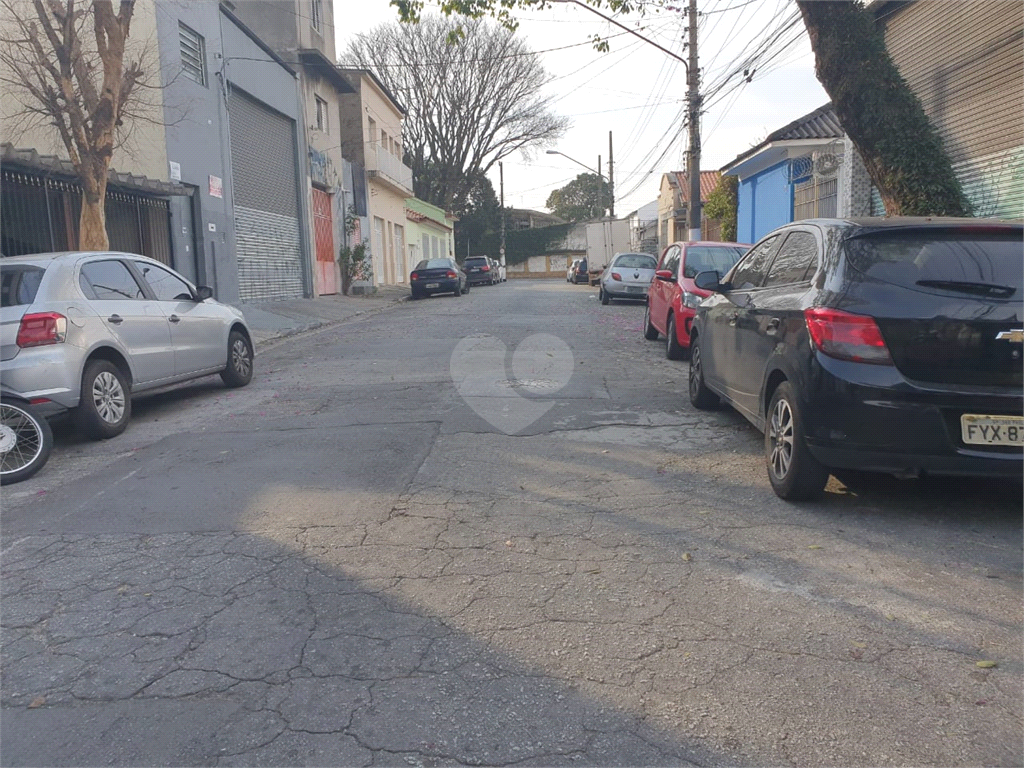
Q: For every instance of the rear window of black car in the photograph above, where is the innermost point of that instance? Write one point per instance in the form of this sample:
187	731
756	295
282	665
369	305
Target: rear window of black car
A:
19	284
434	264
967	262
476	262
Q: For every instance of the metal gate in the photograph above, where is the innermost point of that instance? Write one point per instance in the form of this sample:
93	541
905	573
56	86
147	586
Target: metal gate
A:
268	242
323	232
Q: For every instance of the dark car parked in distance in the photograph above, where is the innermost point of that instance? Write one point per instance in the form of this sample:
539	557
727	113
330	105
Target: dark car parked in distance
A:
437	276
889	345
580	272
479	271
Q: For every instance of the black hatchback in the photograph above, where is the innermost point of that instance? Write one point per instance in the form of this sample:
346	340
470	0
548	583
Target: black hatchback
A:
889	345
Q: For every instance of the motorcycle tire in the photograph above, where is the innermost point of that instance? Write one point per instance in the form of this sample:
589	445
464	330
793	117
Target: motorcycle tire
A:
25	442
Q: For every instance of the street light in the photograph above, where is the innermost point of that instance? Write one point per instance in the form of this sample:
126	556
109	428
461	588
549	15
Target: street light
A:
600	176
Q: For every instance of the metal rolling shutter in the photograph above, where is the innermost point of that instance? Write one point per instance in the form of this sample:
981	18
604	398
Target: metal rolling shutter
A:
263	162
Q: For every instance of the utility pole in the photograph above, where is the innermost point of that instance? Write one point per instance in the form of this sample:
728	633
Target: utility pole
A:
693	153
600	183
501	177
611	179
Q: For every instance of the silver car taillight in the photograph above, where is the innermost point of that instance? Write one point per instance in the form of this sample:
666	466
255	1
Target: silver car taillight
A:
42	328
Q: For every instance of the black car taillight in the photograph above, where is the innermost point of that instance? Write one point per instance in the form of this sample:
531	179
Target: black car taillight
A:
451	275
846	336
414	276
42	328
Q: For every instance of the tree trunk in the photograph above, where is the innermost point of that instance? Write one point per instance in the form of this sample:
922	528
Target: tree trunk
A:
92	224
902	151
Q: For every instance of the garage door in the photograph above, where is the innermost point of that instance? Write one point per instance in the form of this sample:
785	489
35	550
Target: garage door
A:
267	241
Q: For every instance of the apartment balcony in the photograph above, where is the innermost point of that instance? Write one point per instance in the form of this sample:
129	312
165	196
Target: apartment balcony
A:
392	172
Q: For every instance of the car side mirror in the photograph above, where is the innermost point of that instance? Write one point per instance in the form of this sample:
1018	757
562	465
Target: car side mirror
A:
708	281
204	292
666	275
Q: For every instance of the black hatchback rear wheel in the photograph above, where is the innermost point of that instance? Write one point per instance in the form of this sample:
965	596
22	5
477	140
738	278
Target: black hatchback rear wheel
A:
794	473
700	396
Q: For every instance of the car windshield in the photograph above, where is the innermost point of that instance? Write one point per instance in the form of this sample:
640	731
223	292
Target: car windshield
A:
18	285
635	261
711	258
434	264
983	263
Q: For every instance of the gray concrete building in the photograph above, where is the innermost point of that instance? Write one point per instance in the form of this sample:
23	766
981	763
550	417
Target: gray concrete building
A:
235	134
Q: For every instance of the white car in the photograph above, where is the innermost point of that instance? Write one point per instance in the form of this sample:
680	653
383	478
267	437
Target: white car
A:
84	331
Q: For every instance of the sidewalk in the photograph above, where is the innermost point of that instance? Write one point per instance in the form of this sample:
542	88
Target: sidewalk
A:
271	320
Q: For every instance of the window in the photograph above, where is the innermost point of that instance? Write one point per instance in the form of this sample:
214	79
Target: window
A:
20	284
749	273
372	132
316	14
166	286
707	258
322	123
111	281
670	260
795	257
193	54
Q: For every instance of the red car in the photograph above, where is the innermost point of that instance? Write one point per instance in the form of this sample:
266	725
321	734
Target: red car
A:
673	298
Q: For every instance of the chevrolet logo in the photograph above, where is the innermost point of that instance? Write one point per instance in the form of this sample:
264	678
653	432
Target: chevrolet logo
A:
1016	336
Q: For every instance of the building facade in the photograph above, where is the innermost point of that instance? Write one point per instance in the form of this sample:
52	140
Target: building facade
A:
371	135
430	232
673	205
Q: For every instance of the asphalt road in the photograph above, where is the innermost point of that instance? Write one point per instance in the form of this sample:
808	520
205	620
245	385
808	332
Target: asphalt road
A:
490	530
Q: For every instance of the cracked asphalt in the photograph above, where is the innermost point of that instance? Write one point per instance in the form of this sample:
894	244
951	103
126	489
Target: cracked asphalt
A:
343	564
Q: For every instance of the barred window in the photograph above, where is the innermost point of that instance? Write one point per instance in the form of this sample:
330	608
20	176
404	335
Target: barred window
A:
322	123
193	54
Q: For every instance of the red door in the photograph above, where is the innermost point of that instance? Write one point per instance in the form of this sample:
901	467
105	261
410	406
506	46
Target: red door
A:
323	233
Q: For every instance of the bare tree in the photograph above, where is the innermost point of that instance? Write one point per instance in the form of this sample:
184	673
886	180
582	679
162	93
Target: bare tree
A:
473	94
68	64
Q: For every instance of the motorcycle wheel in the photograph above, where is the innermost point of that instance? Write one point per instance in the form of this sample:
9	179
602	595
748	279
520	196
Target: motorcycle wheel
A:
25	442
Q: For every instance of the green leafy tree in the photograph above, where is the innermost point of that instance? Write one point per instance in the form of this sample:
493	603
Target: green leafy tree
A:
480	217
354	260
723	203
902	151
581	199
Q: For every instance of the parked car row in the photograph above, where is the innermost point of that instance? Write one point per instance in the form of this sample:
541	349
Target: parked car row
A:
483	270
886	345
82	333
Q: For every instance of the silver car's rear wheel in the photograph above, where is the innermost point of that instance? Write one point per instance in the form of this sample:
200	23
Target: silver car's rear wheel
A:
106	404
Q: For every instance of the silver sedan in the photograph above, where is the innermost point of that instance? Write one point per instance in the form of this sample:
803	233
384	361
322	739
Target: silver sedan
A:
85	331
629	276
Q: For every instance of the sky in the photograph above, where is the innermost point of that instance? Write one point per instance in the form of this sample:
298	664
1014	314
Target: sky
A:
639	92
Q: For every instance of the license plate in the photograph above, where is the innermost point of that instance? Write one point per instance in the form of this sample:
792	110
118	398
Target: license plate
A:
634	289
433	285
992	430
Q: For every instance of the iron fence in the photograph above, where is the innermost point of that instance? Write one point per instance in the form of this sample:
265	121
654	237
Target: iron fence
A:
40	214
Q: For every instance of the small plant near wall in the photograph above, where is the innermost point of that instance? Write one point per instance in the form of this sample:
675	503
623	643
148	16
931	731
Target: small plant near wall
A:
354	261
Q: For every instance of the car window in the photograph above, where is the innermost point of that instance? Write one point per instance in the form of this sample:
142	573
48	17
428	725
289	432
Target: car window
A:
111	280
635	261
670	259
795	258
475	262
166	286
434	264
750	271
942	259
19	284
711	258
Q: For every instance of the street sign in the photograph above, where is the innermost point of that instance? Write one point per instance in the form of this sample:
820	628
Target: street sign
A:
502	250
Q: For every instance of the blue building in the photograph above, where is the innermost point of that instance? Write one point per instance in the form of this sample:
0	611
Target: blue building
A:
803	170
